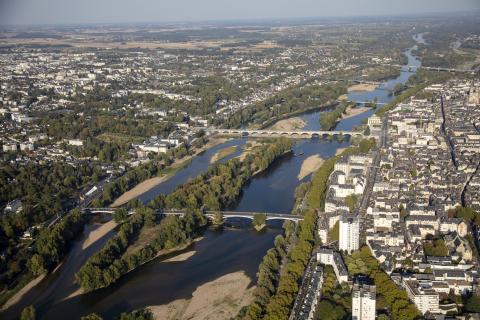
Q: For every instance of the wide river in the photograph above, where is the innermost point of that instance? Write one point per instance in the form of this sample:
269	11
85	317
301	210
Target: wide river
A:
219	252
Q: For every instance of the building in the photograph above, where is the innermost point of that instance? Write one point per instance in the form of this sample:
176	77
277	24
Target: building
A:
332	258
75	142
363	302
349	233
423	295
27	146
14	206
10	147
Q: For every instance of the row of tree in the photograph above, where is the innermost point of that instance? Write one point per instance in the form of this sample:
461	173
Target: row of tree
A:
29	313
336	299
220	186
280	272
114	261
288	102
97	271
328	120
52	244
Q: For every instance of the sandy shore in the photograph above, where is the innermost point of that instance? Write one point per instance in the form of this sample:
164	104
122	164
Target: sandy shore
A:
17	296
339	150
98	233
248	148
362	87
289	124
310	165
223	154
146	185
138	190
219	299
352	112
181	257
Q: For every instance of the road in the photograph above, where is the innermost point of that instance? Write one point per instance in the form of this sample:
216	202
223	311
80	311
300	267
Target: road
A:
305	287
371	178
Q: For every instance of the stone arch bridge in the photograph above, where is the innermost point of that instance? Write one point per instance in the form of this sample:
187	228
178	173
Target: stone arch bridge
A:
284	133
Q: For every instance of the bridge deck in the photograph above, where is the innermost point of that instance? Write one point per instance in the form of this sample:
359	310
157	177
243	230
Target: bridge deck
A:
226	214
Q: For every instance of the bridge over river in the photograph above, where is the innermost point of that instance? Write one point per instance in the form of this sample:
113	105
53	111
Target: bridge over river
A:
285	133
208	214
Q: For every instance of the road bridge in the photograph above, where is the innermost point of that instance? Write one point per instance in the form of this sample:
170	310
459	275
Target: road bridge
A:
240	214
414	68
363	102
208	214
285	133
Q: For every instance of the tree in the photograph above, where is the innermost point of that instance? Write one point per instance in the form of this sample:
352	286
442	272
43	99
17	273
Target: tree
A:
259	221
218	218
36	265
28	313
367	131
473	304
143	314
120	215
351	201
334	233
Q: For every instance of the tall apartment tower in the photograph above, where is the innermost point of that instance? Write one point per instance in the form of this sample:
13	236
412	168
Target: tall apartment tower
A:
363	302
349	233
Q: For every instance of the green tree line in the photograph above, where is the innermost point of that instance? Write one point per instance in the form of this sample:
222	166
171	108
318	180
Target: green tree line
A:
328	120
295	100
220	186
280	272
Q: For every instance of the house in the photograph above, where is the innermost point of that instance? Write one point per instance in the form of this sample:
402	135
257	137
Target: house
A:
334	259
449	225
75	142
14	206
458	247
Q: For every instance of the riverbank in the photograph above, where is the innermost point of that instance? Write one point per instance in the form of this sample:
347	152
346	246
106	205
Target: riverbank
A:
18	296
164	252
354	111
98	233
339	151
149	184
310	165
219	299
362	87
248	148
289	124
223	154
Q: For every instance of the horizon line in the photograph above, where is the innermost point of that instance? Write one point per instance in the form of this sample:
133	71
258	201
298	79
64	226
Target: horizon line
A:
474	13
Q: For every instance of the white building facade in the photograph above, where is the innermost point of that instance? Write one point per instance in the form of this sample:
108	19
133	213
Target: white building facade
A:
363	302
349	233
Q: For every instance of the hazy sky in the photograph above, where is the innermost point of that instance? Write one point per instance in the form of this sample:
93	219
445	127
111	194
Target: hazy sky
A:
92	11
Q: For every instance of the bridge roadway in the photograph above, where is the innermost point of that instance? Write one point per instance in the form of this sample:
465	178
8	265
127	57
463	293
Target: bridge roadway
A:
284	133
209	214
429	68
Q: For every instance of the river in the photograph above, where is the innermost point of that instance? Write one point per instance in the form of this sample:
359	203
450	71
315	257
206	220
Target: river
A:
219	252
